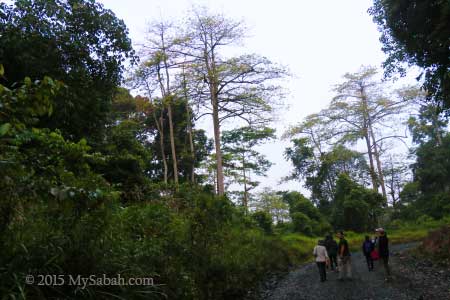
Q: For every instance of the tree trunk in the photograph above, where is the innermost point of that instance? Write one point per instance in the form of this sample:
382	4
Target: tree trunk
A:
172	144
366	128
245	201
213	88
377	158
160	127
220	178
373	176
435	125
189	128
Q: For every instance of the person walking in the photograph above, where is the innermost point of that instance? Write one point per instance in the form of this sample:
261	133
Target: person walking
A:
321	255
383	251
344	261
367	248
332	248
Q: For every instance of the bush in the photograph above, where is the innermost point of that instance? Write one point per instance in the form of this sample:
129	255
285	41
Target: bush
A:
301	223
264	221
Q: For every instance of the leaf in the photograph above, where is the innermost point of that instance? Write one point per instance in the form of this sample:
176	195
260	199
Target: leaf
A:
4	129
27	81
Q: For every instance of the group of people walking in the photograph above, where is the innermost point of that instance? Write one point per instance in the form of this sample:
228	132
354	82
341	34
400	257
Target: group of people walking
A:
336	256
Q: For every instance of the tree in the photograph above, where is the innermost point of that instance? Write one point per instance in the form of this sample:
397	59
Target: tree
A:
355	207
431	172
416	33
160	60
311	140
244	159
359	107
428	192
429	123
397	173
77	42
320	170
271	202
182	142
237	87
305	217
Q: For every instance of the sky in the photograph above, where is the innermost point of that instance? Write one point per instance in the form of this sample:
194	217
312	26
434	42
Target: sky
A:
319	41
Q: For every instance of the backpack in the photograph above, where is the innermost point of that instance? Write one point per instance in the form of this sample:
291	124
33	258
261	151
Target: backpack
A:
368	247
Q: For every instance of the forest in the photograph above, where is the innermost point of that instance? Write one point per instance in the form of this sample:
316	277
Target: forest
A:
105	168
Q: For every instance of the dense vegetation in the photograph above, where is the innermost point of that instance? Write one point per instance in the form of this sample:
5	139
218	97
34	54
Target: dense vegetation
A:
97	181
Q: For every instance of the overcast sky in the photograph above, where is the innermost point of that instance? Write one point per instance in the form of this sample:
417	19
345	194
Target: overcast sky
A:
318	41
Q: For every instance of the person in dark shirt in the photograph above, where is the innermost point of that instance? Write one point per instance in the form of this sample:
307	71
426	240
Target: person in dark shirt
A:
332	248
383	251
344	261
367	248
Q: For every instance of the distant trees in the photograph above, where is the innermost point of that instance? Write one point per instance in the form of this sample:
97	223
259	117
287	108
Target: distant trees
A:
361	110
355	207
243	88
243	159
416	33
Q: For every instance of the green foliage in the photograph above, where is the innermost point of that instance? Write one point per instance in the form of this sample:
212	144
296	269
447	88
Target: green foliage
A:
301	223
241	158
79	43
355	207
321	170
23	105
429	125
429	192
264	220
185	163
272	203
305	217
416	33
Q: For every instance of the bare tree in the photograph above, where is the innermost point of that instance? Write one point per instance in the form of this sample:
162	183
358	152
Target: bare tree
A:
159	64
358	109
238	87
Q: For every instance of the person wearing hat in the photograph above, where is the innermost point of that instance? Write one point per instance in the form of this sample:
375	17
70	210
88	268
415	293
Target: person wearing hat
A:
321	255
344	262
383	251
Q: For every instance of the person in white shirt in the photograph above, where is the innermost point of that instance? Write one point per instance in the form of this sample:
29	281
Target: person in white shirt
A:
321	255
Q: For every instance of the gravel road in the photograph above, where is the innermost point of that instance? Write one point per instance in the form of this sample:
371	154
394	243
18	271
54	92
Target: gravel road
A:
304	283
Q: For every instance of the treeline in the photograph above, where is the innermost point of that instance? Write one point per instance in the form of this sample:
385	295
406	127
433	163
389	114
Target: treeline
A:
357	142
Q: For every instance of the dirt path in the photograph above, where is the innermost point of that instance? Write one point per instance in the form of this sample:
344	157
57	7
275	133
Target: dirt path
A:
304	282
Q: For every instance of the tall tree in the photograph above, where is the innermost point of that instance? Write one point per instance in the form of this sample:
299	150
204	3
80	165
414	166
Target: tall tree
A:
416	32
311	139
271	202
359	107
238	87
77	42
245	160
144	80
160	61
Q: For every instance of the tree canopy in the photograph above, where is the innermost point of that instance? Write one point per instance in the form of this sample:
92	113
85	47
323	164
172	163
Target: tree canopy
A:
416	33
79	43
